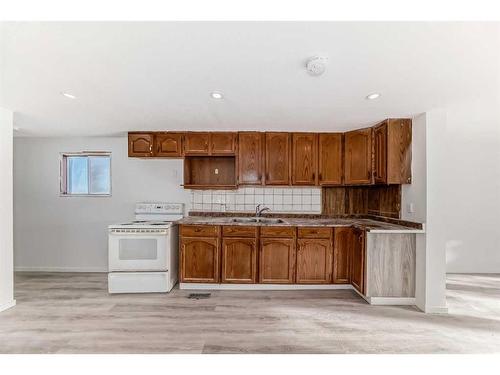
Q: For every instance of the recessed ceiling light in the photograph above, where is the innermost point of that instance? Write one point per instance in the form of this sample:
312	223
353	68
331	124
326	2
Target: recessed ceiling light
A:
68	95
375	95
216	95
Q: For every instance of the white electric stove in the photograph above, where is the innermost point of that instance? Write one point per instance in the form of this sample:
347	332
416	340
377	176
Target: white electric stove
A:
143	254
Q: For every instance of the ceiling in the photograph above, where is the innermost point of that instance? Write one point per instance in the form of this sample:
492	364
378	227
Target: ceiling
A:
159	75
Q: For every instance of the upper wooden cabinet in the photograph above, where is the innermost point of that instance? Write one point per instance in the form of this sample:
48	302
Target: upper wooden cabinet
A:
168	144
358	157
250	155
392	152
304	158
277	160
223	143
140	144
196	143
330	159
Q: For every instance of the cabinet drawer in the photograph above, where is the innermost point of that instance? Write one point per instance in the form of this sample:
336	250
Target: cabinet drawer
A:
200	230
315	232
239	231
277	231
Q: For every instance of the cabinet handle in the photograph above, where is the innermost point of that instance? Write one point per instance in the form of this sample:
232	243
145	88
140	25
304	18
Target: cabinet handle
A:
314	175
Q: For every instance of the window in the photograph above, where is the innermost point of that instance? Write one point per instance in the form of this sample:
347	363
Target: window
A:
85	173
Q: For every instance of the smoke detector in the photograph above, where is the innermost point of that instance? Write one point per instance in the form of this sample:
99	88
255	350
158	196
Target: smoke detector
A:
316	65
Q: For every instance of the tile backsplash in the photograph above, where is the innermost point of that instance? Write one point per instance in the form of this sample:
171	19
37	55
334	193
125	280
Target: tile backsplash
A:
286	199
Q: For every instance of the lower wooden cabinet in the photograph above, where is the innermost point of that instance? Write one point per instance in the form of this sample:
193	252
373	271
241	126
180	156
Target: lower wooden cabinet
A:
358	260
239	260
199	260
277	260
314	261
341	255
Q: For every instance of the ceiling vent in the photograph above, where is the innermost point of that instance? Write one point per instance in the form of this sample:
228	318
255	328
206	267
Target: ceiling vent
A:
316	65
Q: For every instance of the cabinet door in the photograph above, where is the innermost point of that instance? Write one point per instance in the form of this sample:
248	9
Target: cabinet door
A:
304	158
196	143
330	159
250	150
399	151
140	144
199	261
277	260
358	260
222	143
380	153
358	157
277	159
341	254
239	260
314	261
168	145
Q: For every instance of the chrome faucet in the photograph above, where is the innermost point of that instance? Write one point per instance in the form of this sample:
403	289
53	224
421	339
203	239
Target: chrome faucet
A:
259	211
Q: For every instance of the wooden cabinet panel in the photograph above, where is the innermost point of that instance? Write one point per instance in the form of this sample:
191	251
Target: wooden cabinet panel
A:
277	231
223	143
210	172
304	158
168	144
250	152
277	160
140	144
399	151
277	260
200	230
314	232
330	159
239	231
196	143
314	261
358	157
239	260
380	153
199	260
357	246
343	238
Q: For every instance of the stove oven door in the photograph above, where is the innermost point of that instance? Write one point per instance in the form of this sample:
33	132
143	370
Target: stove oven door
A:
138	250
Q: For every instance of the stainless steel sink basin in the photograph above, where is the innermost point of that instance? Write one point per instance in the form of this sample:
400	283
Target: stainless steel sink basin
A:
262	220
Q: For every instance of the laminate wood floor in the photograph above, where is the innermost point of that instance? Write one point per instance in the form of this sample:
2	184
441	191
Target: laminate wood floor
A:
73	313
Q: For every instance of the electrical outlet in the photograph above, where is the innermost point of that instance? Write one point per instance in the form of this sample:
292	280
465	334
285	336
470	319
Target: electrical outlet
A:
411	208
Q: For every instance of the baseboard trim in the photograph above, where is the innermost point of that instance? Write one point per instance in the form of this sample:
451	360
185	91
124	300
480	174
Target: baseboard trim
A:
7	305
391	301
60	269
208	286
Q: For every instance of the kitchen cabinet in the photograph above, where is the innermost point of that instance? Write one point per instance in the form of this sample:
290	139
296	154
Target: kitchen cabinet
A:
199	260
277	260
223	143
341	254
314	256
196	143
392	152
250	153
140	144
168	145
239	260
304	158
330	159
358	157
212	172
277	159
357	246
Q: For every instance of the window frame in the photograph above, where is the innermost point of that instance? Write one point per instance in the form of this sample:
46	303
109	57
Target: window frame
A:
63	173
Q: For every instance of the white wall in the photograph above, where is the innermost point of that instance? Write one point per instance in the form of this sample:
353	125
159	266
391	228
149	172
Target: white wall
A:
6	220
69	233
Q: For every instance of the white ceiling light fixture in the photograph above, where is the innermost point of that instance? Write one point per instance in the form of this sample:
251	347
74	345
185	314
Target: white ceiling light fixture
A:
68	95
375	95
316	65
217	95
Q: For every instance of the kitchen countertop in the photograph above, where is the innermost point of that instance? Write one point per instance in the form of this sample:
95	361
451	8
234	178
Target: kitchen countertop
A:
370	225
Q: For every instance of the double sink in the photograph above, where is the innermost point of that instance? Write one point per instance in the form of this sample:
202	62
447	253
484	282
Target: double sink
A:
256	220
